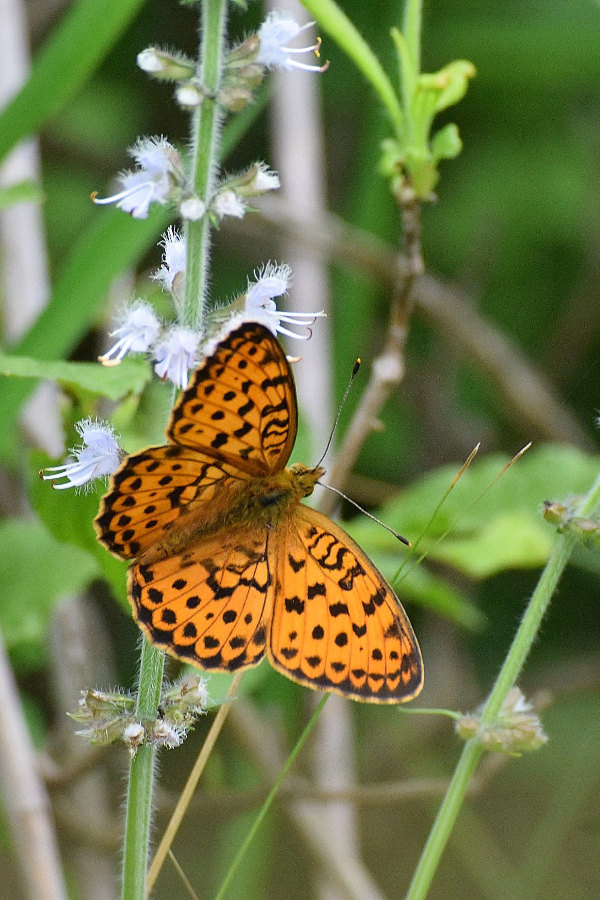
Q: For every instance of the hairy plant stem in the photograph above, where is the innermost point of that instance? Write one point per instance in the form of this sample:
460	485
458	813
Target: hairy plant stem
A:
204	139
515	659
141	777
206	130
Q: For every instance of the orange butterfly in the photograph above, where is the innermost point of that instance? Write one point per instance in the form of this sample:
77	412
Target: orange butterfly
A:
227	562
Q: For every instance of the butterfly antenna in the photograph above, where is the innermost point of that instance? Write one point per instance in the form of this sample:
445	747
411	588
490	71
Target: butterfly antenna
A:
456	478
366	513
355	369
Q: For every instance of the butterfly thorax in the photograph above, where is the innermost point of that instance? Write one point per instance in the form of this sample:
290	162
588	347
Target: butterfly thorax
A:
304	478
257	502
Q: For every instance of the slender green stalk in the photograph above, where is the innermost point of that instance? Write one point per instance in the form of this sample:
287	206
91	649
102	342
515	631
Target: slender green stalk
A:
335	22
141	776
269	800
205	136
515	659
206	129
164	848
413	18
408	46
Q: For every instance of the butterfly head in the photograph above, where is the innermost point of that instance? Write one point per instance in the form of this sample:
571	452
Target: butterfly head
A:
304	478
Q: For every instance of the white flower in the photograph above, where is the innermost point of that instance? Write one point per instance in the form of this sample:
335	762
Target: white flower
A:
176	355
164	734
150	61
173	258
164	64
138	330
265	180
272	281
227	203
158	171
192	208
98	455
278	29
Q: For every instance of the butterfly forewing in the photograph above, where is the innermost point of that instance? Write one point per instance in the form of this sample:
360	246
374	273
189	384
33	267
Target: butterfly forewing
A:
241	404
151	490
337	624
236	419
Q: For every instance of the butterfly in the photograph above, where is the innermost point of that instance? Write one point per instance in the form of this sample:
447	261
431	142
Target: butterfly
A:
228	564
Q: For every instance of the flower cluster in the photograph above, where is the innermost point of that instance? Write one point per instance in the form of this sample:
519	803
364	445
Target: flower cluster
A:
160	176
175	349
516	730
108	717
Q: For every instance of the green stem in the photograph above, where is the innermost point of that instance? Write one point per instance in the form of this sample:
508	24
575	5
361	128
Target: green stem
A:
335	22
515	659
141	776
413	17
205	139
410	68
206	131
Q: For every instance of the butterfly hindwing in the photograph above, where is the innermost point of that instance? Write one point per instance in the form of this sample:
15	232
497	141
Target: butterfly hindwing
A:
240	405
337	624
211	605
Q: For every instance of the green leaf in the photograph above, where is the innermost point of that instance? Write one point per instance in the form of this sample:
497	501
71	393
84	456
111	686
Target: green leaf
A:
416	583
113	243
36	571
114	382
446	143
509	540
453	82
486	525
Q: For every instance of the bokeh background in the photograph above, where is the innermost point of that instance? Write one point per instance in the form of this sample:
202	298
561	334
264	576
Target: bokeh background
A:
504	347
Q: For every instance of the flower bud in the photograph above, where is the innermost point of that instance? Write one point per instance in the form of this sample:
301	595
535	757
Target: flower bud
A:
166	66
188	95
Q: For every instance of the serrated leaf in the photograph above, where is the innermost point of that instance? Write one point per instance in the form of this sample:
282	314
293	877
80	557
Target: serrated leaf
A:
113	382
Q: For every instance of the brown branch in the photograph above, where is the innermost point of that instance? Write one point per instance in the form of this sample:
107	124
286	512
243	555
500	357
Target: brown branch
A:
528	397
387	371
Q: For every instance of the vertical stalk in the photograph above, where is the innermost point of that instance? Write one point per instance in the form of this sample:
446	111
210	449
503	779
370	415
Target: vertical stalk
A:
413	16
141	777
204	159
206	130
511	668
